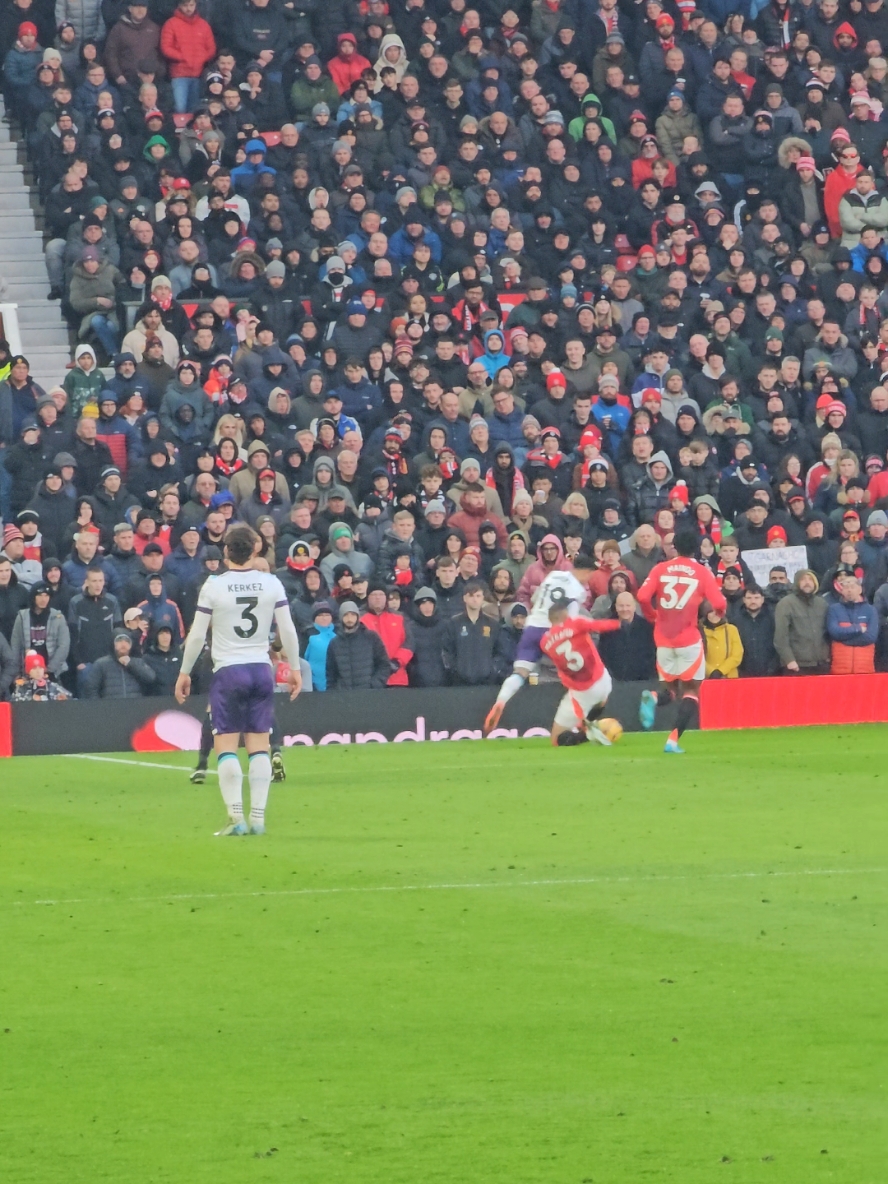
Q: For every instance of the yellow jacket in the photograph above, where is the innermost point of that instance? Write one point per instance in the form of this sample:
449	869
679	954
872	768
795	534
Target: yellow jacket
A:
724	649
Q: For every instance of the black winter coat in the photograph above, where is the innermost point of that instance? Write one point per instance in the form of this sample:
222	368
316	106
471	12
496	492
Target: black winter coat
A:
56	512
757	635
475	653
26	467
91	459
357	661
108	679
629	652
426	667
13	598
166	667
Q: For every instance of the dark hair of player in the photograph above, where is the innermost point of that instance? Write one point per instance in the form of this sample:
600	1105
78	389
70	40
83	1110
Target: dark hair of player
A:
584	563
240	542
558	610
685	543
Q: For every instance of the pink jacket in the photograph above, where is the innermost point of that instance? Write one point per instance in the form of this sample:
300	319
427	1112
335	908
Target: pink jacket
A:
538	571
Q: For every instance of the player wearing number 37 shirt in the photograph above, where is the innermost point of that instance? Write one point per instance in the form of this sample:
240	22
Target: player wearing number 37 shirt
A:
671	597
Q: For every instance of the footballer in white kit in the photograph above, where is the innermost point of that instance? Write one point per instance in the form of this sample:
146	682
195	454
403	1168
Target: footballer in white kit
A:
242	606
559	587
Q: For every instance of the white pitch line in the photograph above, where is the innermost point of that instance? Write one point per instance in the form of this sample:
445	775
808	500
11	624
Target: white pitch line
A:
469	887
116	760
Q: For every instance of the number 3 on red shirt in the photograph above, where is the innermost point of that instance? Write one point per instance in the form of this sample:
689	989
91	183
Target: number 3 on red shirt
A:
572	660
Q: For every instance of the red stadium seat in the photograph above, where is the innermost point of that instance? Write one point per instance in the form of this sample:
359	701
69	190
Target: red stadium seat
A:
623	245
270	138
181	120
626	262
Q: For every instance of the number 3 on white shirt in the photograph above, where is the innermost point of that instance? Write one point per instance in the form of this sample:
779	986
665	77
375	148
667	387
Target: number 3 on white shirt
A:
670	598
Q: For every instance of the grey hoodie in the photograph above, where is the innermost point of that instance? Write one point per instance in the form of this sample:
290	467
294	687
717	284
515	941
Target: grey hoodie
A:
661	456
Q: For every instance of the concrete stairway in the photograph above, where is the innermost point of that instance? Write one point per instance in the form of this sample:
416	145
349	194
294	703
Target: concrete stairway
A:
43	332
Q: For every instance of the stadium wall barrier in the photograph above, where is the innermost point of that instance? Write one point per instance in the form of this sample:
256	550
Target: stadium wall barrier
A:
5	729
345	717
791	702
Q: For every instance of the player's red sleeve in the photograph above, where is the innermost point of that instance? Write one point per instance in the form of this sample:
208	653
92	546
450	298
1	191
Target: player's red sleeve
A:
605	626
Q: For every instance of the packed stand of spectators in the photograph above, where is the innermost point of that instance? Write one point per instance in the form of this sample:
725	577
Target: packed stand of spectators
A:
436	297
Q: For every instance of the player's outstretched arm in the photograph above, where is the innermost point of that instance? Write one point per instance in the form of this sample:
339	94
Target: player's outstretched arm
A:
290	642
604	625
197	636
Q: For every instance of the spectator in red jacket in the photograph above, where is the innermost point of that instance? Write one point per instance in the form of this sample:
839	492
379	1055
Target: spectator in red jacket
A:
393	630
187	43
348	65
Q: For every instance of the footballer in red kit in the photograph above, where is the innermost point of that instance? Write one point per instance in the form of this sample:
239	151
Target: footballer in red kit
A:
569	646
672	597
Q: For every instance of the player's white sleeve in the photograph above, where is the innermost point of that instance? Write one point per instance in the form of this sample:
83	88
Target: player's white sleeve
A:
197	635
288	635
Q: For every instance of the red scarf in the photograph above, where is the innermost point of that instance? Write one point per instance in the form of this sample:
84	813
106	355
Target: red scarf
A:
228	470
536	455
713	530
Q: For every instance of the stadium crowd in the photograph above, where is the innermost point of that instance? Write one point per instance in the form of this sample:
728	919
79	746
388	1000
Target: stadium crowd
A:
436	297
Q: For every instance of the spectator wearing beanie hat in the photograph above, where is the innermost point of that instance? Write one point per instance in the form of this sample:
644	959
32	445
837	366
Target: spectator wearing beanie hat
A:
20	65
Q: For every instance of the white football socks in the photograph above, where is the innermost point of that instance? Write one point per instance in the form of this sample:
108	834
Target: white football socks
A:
231	784
510	687
260	780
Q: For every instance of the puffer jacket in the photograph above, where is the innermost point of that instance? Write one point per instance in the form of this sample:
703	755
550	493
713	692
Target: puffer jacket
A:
855	625
58	641
357	661
646	498
426	667
187	43
84	15
396	635
109	680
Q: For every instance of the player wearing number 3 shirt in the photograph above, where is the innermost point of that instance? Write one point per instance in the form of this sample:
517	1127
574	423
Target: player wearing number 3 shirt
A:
569	646
569	587
242	605
671	598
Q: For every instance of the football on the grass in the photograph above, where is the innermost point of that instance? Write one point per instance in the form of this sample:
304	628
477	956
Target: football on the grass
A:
612	728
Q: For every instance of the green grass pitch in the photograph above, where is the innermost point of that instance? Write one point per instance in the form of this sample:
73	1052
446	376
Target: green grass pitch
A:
452	963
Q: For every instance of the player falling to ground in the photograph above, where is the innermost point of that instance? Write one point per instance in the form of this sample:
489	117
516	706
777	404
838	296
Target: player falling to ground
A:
240	604
567	586
569	645
672	597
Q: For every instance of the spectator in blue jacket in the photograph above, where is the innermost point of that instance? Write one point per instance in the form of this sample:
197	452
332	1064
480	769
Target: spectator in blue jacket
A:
853	629
414	230
319	636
